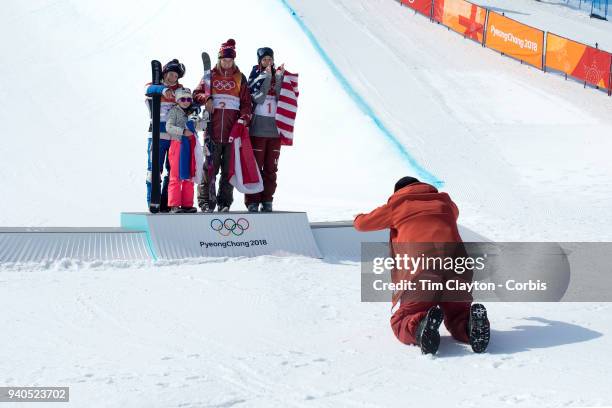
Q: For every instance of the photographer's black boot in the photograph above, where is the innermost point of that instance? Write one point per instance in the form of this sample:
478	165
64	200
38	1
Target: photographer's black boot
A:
478	329
427	335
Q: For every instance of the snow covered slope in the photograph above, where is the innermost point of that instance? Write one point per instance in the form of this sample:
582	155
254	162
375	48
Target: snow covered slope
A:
74	120
523	152
290	332
270	332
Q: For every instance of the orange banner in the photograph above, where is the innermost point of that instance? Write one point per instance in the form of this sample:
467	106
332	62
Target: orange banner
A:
578	60
422	6
515	39
461	16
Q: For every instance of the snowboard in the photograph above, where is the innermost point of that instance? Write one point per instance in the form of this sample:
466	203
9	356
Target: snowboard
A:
156	74
209	167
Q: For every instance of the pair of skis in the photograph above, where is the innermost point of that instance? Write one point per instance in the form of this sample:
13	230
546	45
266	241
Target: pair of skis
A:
156	74
210	146
155	203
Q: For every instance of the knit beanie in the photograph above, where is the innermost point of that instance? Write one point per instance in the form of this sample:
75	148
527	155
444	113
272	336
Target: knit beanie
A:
264	52
174	66
228	49
182	93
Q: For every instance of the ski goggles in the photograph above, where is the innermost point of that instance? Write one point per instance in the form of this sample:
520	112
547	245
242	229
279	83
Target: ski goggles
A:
185	100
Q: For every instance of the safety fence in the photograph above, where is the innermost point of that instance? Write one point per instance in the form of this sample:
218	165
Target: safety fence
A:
540	49
596	8
599	9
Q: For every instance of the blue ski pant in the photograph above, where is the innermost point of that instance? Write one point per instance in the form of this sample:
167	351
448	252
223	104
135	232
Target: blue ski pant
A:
164	147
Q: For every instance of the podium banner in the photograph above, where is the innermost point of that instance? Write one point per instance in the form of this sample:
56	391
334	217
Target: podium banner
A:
181	236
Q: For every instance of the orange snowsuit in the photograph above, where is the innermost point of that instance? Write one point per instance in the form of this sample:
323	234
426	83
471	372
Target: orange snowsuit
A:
413	214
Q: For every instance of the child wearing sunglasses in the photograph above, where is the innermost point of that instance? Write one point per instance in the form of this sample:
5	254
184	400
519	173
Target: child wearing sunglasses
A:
185	154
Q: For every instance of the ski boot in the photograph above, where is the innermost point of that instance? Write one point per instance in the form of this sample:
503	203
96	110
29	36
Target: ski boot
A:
253	207
206	208
189	210
224	208
176	210
427	335
266	206
478	328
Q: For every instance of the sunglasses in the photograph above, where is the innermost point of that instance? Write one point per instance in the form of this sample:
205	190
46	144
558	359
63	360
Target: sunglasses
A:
185	100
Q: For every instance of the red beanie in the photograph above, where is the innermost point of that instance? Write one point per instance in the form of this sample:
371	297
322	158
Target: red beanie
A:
228	49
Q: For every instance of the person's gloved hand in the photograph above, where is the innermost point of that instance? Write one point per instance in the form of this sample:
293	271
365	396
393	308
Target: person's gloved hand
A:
195	108
205	116
200	124
209	105
155	90
244	119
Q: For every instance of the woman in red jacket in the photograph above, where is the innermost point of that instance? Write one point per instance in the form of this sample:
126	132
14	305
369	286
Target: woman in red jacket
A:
228	102
418	213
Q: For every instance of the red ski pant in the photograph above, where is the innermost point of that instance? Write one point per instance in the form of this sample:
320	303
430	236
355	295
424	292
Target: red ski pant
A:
405	320
267	152
180	192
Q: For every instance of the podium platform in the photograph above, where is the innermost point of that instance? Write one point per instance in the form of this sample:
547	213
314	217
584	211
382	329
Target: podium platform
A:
232	234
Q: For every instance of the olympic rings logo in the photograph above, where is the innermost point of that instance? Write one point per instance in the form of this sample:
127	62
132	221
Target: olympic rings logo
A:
223	85
229	226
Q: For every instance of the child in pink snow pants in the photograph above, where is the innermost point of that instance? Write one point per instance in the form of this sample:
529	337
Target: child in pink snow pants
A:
185	152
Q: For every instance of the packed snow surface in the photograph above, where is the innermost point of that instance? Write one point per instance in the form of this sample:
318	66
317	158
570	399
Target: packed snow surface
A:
525	155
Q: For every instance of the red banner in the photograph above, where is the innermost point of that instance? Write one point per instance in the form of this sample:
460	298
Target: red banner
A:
422	6
461	16
578	60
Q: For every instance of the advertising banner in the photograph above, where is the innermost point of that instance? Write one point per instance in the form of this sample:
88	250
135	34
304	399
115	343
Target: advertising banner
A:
461	16
181	236
422	6
578	60
515	39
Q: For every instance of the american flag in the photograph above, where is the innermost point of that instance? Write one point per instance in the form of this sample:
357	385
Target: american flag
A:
287	108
